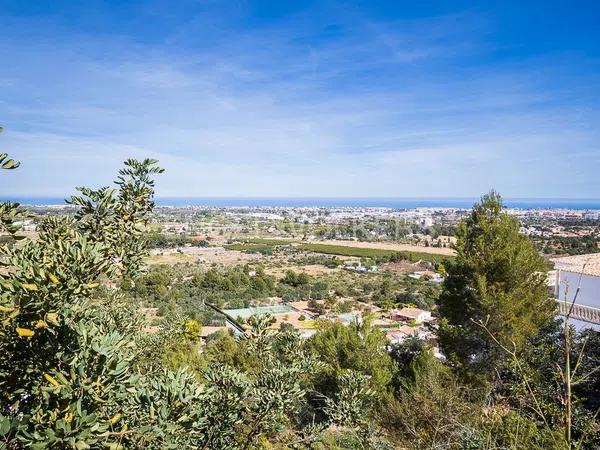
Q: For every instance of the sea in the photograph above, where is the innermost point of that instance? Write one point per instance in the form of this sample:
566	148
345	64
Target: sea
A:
395	203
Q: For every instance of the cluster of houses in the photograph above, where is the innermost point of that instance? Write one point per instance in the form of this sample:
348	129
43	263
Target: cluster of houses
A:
397	324
414	322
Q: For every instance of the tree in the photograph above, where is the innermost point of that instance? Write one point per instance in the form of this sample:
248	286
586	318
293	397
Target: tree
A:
65	344
351	406
294	279
77	370
403	355
431	409
497	278
358	347
9	211
6	162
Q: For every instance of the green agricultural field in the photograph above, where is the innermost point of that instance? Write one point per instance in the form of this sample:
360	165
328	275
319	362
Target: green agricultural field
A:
252	248
361	252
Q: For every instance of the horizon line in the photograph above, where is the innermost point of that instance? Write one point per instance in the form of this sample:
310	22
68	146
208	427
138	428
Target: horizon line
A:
275	197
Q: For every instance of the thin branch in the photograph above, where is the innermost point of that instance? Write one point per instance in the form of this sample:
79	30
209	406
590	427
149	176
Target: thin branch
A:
580	357
577	290
538	408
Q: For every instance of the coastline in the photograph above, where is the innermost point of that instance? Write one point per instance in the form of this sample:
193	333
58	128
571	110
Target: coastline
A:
324	202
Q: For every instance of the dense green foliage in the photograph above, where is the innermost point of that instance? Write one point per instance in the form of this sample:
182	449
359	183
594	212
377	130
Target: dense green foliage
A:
559	245
67	350
357	347
498	280
375	253
80	369
160	240
76	369
184	289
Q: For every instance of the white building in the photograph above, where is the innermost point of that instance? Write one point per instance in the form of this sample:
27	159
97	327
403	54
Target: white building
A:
407	314
579	272
427	222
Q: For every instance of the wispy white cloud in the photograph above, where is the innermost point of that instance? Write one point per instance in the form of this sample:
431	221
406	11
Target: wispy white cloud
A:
354	108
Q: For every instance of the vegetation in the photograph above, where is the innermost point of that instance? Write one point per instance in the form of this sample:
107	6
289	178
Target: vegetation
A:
357	347
265	246
77	372
558	245
184	289
266	249
269	241
80	367
383	255
498	279
160	240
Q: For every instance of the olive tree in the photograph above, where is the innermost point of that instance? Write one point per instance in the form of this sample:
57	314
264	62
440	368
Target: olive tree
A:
77	369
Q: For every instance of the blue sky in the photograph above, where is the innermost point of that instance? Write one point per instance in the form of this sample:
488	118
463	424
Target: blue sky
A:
276	98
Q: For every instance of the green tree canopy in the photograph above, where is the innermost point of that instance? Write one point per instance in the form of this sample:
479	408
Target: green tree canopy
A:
358	347
497	279
77	369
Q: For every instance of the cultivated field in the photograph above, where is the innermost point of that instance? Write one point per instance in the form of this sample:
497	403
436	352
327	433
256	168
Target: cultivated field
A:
389	246
367	252
201	255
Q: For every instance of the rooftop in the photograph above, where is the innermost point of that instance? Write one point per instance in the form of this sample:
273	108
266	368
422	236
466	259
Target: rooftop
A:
244	313
586	264
409	312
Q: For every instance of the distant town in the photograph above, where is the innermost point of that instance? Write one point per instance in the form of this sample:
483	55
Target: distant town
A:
337	252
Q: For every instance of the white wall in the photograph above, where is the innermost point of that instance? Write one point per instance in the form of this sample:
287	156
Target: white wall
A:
589	294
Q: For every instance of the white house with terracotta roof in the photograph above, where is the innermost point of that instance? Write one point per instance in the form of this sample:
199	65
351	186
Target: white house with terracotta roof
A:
399	335
407	314
581	271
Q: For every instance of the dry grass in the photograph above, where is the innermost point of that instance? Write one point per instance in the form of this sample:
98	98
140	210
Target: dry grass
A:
312	269
169	259
201	255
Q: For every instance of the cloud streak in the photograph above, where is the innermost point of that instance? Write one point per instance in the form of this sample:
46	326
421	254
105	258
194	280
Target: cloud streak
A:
306	105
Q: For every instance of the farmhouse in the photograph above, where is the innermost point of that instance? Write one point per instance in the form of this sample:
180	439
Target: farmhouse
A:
408	314
399	335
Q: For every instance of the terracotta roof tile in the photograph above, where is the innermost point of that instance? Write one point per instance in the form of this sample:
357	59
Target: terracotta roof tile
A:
587	264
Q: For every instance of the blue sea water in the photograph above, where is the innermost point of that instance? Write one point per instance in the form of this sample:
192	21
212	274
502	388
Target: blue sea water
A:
397	203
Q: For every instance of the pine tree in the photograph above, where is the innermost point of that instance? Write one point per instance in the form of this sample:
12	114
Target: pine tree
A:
498	279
